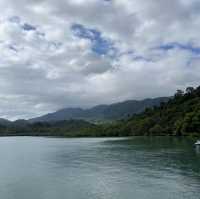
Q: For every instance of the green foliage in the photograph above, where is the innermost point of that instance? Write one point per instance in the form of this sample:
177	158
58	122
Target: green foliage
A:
156	129
179	116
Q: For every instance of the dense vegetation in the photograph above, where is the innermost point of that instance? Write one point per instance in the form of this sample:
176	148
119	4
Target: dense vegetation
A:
179	116
66	128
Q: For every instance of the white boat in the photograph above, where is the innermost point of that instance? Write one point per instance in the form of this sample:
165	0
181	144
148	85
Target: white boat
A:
197	142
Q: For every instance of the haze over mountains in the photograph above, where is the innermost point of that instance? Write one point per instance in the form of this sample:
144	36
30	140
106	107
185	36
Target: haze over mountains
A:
102	113
178	115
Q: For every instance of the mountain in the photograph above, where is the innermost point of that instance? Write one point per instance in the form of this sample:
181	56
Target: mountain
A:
177	116
180	116
102	112
4	122
16	123
19	123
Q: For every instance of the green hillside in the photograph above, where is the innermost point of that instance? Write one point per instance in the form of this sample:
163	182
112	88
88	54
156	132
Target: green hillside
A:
179	116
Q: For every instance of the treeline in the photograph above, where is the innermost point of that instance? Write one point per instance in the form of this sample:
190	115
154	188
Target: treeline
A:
180	116
66	128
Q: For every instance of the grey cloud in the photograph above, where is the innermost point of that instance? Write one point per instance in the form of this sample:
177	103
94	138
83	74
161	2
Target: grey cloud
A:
44	66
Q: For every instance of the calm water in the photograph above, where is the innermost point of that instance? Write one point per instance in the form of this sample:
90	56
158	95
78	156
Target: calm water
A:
138	168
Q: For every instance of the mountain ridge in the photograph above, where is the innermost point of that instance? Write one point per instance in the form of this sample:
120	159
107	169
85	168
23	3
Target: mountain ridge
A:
179	116
104	112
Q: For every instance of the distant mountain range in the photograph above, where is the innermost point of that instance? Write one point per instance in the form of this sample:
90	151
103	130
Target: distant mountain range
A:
101	113
4	122
17	123
178	115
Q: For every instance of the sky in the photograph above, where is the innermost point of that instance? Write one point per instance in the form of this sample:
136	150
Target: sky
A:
80	53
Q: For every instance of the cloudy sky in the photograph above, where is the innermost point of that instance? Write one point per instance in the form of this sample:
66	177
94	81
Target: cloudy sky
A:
68	53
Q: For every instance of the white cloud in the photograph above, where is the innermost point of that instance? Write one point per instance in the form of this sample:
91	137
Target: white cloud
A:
48	67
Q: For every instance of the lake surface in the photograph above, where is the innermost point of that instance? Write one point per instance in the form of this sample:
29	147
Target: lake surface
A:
99	168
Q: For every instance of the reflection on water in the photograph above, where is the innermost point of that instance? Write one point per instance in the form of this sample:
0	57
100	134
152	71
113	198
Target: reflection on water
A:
90	168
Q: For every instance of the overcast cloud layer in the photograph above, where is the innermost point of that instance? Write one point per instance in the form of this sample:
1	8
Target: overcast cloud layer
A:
69	53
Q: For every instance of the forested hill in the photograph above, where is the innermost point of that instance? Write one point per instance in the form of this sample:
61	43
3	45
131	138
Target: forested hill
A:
179	116
102	113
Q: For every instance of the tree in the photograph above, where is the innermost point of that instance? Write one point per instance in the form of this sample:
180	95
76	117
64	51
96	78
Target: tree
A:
156	130
189	90
179	93
178	127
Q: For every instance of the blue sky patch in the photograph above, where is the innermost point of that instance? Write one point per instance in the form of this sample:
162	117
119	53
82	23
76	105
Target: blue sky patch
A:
188	47
11	47
100	45
142	58
24	26
15	19
28	27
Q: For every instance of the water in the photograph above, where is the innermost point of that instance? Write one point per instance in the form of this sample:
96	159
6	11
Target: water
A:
99	168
